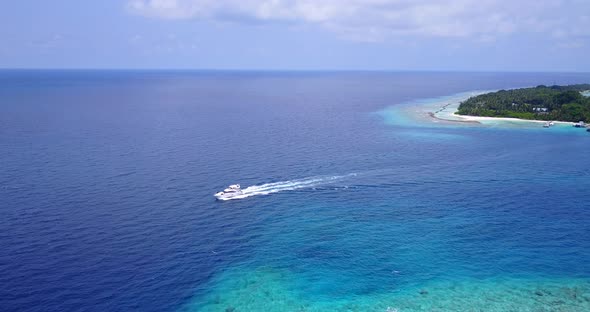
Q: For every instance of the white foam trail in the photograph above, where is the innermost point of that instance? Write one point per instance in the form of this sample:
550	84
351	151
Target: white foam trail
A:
275	187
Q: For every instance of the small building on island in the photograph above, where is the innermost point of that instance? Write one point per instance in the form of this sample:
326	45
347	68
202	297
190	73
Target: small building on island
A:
540	110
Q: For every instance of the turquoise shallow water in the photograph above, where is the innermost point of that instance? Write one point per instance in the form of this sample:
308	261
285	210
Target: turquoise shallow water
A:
357	199
482	240
479	241
266	289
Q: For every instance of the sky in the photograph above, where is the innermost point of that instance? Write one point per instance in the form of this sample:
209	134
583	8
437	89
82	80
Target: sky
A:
454	35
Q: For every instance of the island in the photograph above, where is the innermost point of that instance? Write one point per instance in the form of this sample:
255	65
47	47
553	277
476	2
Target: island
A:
563	103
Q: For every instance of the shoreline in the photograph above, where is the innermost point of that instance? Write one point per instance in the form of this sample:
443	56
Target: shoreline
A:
452	116
448	112
433	115
478	118
442	112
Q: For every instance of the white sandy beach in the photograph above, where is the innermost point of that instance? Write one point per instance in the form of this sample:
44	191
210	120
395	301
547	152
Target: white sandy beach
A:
481	118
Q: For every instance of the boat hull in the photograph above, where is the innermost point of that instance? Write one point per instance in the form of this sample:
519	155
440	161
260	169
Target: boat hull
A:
231	192
227	196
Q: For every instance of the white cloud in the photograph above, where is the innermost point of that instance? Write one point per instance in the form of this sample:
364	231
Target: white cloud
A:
376	20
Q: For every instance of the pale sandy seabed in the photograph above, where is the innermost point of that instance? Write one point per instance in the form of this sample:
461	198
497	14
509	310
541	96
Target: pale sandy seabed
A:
272	290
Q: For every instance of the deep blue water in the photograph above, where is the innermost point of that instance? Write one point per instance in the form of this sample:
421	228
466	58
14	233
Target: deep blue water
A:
106	183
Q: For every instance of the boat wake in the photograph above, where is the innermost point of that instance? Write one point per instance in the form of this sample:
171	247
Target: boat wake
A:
275	187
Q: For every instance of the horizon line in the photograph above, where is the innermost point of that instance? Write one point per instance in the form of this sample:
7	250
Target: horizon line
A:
281	70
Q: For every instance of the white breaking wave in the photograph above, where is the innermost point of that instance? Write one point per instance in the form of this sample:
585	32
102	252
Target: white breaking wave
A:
275	187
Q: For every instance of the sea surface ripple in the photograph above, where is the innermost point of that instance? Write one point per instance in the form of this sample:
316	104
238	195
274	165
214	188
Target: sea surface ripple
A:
107	179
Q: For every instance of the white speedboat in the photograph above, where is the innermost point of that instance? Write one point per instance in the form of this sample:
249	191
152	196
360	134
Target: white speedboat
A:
229	193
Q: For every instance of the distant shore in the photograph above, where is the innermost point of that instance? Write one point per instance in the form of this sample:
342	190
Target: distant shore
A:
559	103
448	113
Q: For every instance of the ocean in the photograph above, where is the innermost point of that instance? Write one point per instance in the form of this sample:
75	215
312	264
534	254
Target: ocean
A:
357	201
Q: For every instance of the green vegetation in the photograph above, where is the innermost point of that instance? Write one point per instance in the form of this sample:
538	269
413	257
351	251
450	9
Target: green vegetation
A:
564	103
